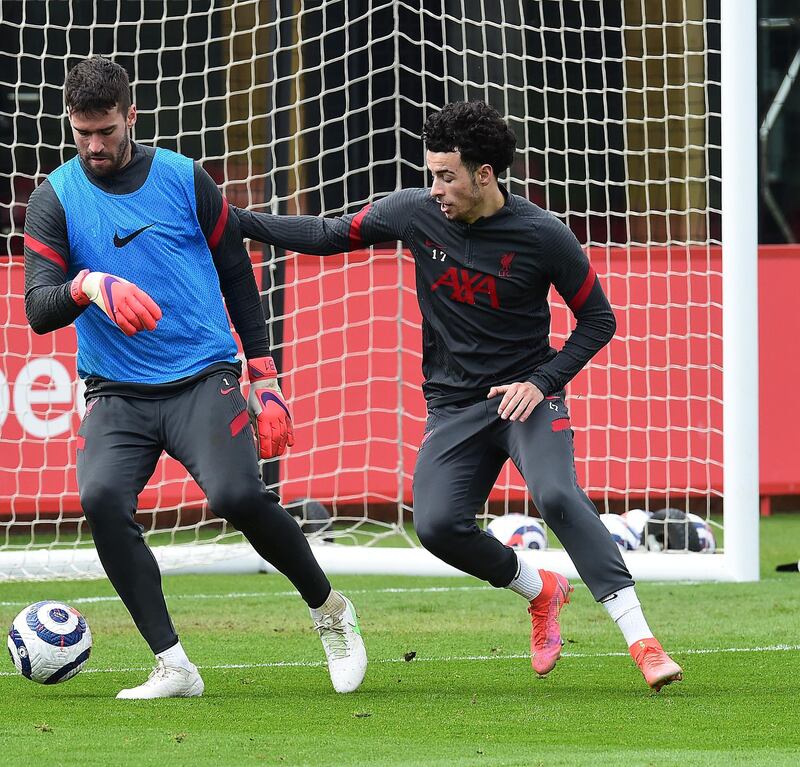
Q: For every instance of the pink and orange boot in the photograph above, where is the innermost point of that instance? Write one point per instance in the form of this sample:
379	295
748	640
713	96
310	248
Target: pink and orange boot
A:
656	666
545	632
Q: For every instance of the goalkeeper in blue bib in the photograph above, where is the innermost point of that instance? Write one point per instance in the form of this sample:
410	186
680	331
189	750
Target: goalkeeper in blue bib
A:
137	247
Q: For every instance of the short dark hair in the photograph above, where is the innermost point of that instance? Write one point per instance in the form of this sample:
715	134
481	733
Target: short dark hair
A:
96	85
474	129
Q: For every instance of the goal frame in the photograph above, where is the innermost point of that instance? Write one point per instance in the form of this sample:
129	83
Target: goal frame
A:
740	559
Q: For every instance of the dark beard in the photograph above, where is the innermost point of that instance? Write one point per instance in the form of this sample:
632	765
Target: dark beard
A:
116	162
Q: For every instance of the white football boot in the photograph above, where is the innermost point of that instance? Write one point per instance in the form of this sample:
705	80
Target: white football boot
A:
167	682
337	624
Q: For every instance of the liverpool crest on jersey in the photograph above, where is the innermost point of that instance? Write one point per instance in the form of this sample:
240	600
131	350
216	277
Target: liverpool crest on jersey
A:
505	264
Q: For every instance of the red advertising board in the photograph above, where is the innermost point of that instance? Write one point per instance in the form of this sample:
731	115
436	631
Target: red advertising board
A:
647	399
647	413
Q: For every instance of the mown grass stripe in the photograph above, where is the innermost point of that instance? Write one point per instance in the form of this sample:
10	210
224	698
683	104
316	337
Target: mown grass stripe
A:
291	593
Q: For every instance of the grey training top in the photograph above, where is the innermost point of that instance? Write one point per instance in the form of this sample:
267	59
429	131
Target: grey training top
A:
482	287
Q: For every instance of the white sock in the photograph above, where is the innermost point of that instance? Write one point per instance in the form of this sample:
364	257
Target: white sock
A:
624	608
527	582
175	656
333	605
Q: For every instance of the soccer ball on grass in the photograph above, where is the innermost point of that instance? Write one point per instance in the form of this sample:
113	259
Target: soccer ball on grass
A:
49	642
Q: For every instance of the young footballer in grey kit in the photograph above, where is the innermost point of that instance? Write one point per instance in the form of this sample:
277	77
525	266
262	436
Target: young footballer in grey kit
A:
485	260
136	247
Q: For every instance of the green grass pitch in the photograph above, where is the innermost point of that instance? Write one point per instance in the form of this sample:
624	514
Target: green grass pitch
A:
468	697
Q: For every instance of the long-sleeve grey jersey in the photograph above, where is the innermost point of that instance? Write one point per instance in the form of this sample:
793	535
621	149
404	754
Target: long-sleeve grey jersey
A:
482	288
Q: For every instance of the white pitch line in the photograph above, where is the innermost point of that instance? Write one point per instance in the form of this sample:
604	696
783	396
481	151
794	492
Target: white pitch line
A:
260	594
445	659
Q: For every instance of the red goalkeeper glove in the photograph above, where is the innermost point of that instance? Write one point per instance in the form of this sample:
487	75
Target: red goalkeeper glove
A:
127	305
268	409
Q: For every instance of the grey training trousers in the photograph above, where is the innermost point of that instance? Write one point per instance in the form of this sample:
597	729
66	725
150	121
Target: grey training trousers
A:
462	451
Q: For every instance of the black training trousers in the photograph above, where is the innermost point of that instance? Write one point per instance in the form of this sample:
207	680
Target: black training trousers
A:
462	452
206	428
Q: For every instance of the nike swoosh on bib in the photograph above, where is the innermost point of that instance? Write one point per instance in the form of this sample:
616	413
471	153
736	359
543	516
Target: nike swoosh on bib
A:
121	242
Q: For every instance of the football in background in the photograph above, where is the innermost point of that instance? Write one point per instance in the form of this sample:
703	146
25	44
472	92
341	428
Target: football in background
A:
671	529
636	520
705	533
519	531
623	536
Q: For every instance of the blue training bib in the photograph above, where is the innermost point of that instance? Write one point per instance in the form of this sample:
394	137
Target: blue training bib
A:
152	238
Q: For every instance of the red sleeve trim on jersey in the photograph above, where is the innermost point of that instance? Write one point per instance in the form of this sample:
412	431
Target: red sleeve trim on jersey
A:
355	227
580	297
46	251
219	227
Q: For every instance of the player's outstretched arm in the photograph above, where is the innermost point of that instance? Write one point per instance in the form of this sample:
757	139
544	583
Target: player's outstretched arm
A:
383	221
304	234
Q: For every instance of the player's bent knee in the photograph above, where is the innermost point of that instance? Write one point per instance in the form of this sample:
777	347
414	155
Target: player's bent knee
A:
102	502
434	532
235	503
555	503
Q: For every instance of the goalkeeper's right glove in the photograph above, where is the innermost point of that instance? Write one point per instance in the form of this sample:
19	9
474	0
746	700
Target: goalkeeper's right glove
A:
268	409
127	305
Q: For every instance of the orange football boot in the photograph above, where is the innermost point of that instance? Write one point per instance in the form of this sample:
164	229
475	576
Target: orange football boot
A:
545	631
656	666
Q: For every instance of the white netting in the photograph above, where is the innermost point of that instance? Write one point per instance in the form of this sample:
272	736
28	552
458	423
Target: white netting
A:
316	107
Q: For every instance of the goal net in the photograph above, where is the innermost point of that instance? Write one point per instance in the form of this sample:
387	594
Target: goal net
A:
316	106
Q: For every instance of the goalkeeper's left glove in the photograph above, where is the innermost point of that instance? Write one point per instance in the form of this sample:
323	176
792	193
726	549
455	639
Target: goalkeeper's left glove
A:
125	304
268	409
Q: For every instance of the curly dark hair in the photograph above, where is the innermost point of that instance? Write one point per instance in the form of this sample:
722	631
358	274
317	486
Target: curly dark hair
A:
474	129
95	85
